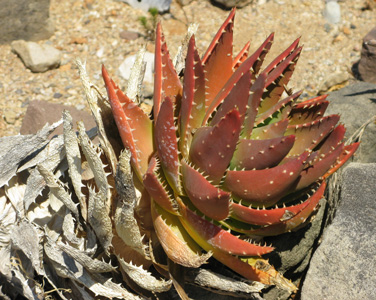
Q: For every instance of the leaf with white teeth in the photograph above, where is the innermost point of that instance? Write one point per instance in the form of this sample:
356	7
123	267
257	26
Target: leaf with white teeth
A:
145	279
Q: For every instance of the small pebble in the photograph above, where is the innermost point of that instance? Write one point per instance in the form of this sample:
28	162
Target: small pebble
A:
57	95
332	12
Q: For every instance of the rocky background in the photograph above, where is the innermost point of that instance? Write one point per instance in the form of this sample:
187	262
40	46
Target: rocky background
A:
109	32
41	39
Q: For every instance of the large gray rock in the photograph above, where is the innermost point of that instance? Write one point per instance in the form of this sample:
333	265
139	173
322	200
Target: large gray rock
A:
25	19
343	266
37	58
356	104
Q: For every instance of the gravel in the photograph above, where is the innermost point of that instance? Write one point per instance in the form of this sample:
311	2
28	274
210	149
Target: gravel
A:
90	30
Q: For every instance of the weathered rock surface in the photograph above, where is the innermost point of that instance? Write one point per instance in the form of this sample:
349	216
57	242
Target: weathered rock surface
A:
25	19
367	63
41	112
343	266
37	58
356	104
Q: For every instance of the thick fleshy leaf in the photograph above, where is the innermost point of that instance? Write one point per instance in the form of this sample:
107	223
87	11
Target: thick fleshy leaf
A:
217	60
167	144
270	131
141	127
265	187
253	269
241	57
212	147
166	81
199	228
261	154
278	79
123	126
277	61
263	216
347	152
318	167
309	135
333	140
210	200
309	110
176	242
158	190
294	222
236	99
193	104
251	64
279	111
254	100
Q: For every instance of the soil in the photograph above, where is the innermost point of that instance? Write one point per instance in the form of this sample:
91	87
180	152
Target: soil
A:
91	30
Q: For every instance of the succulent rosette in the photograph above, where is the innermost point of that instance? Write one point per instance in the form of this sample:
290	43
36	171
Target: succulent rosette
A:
228	154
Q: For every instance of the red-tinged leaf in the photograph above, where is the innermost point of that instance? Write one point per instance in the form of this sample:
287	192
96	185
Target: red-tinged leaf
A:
123	126
210	200
318	167
261	154
212	147
263	217
347	152
309	135
252	63
167	144
295	221
270	131
241	57
309	110
236	99
333	140
199	228
254	100
265	187
277	61
282	108
217	60
278	79
166	81
193	105
255	269
142	129
159	191
176	242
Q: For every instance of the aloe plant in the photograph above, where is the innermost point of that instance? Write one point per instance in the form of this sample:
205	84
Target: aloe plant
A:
226	158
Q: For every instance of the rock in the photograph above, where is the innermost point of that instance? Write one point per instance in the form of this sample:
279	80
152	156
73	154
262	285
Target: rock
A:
332	12
37	58
356	104
343	266
10	117
129	35
333	80
39	113
184	2
232	3
367	63
161	5
25	19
